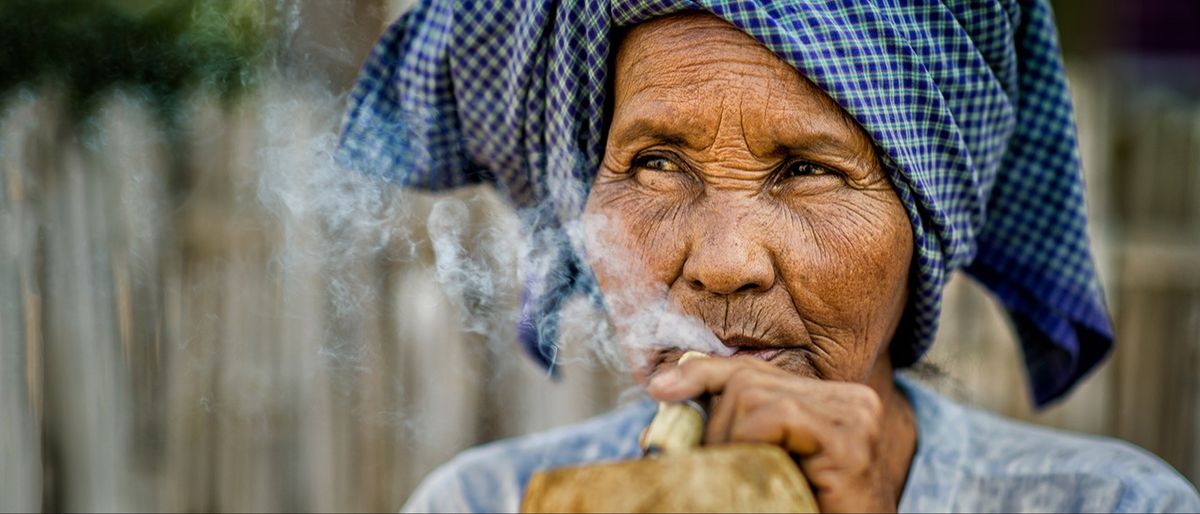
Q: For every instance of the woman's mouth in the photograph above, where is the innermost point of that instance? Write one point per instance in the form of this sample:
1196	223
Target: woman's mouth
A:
735	346
745	346
757	352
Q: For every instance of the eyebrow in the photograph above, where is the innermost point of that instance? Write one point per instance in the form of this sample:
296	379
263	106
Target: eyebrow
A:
842	141
649	127
812	143
820	143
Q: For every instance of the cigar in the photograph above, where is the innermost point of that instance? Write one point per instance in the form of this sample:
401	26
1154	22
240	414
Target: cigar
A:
678	426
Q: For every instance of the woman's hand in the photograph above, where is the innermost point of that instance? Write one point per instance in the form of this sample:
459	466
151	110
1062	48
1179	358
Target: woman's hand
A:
834	429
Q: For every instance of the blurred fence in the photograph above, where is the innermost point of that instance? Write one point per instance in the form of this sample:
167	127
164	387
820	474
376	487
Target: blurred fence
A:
194	339
185	325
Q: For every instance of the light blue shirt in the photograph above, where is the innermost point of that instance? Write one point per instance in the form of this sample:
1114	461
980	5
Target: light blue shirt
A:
967	460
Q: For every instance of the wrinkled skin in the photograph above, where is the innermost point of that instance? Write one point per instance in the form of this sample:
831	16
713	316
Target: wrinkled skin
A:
744	194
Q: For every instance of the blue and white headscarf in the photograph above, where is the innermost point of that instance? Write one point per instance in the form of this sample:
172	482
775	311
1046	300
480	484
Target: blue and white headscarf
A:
967	103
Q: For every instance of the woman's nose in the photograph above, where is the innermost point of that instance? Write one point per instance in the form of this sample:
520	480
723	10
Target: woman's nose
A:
725	261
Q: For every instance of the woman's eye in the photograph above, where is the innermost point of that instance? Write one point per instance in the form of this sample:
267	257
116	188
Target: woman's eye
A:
803	169
656	163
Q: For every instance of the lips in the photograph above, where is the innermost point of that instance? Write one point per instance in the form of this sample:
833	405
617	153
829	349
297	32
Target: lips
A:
744	346
735	346
761	353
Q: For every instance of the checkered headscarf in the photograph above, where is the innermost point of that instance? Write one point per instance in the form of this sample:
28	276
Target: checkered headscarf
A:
967	103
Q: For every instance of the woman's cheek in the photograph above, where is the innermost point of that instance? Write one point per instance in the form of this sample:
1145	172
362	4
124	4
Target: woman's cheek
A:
846	261
855	237
632	237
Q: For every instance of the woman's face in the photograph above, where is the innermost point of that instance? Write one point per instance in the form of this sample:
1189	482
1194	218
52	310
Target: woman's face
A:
745	195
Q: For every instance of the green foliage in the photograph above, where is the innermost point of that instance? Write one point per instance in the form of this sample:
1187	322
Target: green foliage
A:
164	48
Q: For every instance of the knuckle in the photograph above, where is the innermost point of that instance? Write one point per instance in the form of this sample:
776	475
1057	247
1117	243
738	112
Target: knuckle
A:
740	378
869	400
865	403
870	422
863	414
872	430
753	396
858	457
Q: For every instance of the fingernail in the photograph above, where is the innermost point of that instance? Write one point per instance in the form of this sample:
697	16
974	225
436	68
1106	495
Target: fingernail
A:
665	379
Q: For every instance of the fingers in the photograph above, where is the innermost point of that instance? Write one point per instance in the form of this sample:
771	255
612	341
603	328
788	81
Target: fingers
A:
755	401
745	391
834	429
699	376
781	424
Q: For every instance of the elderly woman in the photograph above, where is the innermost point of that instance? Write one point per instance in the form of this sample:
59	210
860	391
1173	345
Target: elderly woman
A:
800	177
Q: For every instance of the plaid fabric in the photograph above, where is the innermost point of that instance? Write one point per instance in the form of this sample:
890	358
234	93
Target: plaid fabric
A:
966	101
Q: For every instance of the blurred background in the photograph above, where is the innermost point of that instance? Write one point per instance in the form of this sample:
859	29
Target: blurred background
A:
199	312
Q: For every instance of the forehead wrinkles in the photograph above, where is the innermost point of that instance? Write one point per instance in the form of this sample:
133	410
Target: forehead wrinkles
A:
803	110
688	73
657	52
691	72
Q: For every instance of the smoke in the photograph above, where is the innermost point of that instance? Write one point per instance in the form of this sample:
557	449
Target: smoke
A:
483	252
482	267
243	285
639	306
484	255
